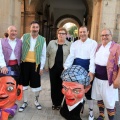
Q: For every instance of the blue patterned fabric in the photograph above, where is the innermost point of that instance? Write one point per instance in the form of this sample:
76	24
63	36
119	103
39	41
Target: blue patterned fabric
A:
76	73
11	72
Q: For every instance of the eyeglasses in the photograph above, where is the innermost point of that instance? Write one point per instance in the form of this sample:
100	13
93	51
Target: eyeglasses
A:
106	35
61	33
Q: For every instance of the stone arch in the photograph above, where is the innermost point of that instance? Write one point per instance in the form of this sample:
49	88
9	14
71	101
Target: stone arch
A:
44	12
70	17
66	20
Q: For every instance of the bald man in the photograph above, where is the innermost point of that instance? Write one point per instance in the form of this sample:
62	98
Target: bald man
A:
107	75
10	54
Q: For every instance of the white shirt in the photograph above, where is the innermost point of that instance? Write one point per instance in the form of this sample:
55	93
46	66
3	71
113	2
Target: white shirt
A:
83	50
102	55
70	108
43	55
12	43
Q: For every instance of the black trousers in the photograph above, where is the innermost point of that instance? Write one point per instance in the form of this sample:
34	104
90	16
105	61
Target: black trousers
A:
56	85
30	77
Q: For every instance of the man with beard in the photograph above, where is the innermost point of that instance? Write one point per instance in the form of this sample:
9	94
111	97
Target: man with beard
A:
33	60
82	53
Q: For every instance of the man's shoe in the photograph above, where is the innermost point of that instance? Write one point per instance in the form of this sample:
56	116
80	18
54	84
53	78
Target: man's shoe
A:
100	118
24	105
58	107
38	106
53	107
91	117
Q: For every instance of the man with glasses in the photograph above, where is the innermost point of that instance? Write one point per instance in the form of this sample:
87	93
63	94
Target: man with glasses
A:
107	75
82	53
33	60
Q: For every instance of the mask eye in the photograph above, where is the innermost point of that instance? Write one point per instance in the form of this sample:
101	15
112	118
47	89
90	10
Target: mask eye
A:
10	88
65	88
76	91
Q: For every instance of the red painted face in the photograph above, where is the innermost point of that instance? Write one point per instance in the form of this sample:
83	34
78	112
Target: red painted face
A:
8	92
73	92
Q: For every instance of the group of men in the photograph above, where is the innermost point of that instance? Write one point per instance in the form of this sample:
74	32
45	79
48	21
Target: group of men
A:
25	59
102	63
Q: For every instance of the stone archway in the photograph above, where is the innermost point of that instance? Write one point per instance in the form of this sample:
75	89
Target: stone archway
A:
67	18
49	21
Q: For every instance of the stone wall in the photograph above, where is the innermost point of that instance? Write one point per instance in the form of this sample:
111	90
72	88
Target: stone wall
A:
10	14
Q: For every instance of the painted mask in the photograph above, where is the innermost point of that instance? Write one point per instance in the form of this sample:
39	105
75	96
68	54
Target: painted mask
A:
73	92
8	92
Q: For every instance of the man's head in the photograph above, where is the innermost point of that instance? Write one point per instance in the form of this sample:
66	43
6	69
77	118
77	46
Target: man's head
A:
61	33
34	28
106	36
12	32
83	33
9	92
75	84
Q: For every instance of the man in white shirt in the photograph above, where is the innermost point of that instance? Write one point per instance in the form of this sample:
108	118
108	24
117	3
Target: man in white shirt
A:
33	61
82	53
10	54
107	75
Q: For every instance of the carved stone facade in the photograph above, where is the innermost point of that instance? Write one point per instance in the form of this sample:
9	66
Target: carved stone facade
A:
51	14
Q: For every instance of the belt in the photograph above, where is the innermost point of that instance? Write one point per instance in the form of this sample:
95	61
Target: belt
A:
13	62
101	72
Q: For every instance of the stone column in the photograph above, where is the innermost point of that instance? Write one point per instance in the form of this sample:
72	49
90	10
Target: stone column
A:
10	12
96	20
109	18
89	21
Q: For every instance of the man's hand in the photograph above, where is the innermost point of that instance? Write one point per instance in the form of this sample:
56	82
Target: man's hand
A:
4	70
41	72
91	75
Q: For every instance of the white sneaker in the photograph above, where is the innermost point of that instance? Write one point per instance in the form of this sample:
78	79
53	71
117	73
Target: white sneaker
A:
38	106
91	117
24	105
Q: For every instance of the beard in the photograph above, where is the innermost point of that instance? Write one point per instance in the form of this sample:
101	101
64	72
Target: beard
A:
35	33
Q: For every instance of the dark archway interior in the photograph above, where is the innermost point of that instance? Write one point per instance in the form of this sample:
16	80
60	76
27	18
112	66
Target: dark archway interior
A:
52	13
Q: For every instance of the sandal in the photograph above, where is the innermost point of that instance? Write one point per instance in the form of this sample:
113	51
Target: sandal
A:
58	107
100	118
53	107
24	105
38	106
